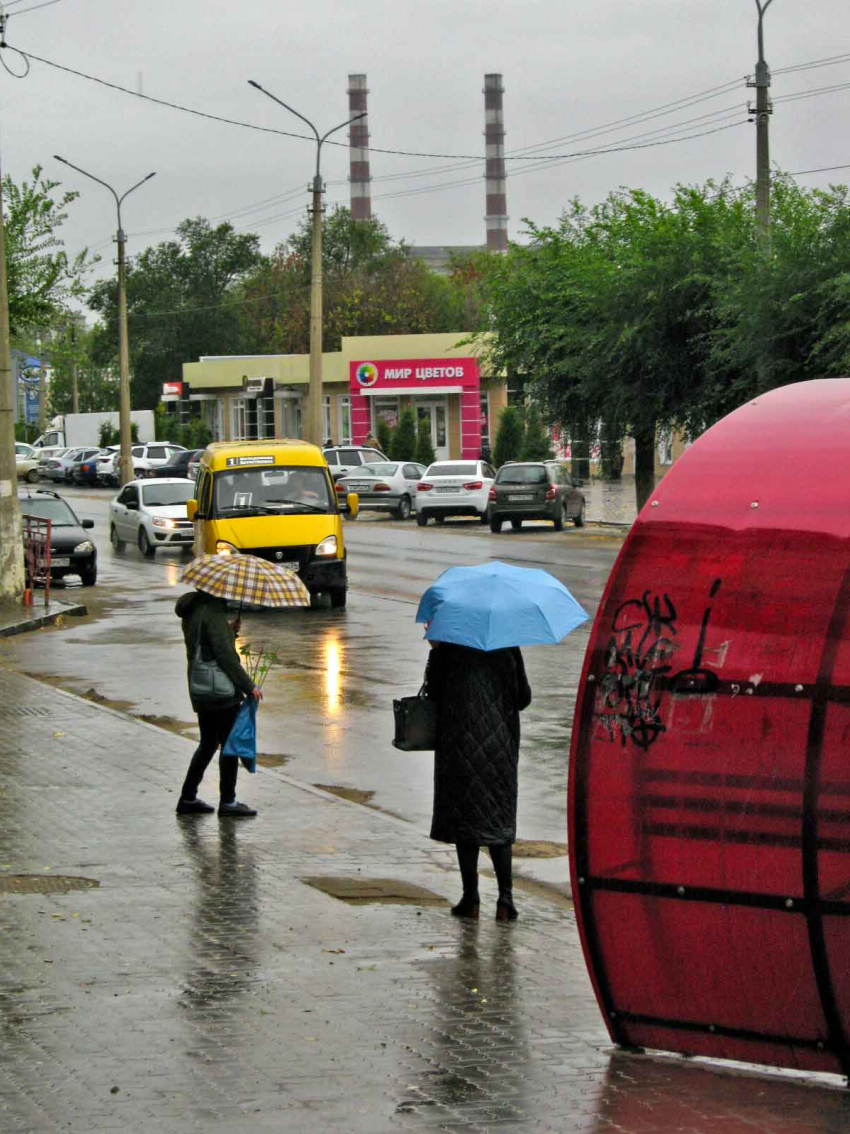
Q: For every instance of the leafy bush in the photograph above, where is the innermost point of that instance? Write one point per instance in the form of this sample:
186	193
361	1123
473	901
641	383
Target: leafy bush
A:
385	436
536	445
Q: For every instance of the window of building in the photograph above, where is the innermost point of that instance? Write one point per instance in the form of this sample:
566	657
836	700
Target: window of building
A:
238	419
485	418
665	447
327	428
344	421
385	409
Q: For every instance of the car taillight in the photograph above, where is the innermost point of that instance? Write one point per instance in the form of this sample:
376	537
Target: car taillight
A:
381	488
339	487
550	492
474	485
424	486
492	493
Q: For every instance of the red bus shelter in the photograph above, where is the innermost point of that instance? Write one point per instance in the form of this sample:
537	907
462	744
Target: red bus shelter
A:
709	795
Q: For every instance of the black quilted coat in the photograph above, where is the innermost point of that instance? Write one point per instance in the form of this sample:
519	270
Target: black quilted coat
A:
479	696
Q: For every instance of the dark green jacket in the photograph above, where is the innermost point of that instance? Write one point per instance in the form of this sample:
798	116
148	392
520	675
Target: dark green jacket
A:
202	612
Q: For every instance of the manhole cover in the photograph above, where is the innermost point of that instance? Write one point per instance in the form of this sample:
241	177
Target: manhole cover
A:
376	891
44	883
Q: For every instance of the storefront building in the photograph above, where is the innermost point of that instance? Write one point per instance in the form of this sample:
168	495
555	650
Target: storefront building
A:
372	378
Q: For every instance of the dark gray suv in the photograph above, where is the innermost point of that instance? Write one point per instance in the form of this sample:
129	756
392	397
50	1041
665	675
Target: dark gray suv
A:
535	490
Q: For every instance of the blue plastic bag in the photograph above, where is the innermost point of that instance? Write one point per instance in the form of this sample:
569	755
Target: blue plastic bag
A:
242	742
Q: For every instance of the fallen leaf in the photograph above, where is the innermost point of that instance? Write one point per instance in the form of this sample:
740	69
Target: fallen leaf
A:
60	734
333	950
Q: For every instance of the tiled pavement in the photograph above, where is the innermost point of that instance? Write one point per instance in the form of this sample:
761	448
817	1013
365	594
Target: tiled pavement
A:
203	986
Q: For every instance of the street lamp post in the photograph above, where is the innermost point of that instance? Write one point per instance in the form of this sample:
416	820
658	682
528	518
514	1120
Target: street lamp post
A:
763	113
314	408
125	460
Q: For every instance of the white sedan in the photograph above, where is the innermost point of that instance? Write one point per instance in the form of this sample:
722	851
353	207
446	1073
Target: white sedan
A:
26	462
454	488
384	486
152	514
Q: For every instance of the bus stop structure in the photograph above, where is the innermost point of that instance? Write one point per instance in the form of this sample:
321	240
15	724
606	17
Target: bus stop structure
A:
709	795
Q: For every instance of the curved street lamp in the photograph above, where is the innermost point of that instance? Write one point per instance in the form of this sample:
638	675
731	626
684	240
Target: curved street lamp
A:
125	460
314	408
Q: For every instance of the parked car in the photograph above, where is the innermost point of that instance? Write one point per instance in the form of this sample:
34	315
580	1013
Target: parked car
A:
152	514
535	490
454	488
59	469
146	458
71	551
50	453
194	465
84	470
26	461
343	459
385	486
177	464
107	465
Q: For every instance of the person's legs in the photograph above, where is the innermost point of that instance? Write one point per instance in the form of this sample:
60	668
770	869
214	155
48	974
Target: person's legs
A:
467	857
502	856
228	769
209	726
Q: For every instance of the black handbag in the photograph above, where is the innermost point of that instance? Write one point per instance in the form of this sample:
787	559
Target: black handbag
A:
415	723
207	680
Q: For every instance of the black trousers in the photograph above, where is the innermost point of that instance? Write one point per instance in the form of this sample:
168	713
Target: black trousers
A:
215	725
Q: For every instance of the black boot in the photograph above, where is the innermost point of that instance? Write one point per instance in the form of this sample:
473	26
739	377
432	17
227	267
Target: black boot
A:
467	857
502	856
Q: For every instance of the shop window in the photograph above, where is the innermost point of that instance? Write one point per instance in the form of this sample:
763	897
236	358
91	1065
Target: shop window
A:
344	421
327	428
665	447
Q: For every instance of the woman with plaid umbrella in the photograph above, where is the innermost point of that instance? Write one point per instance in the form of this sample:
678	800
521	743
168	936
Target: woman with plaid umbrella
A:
207	629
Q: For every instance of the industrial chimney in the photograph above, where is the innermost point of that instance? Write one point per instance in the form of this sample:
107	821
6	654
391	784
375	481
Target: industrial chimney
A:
496	219
358	137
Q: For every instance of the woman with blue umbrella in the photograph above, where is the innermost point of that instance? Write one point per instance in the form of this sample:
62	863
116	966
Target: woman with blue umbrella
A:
476	619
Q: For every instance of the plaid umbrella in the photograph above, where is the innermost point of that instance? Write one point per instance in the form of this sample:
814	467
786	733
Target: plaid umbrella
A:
246	579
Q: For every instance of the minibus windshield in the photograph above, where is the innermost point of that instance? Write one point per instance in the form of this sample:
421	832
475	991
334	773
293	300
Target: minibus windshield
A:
274	491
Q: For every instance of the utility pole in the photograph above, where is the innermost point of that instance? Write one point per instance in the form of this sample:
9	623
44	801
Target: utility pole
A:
764	109
11	538
314	405
75	390
42	387
126	458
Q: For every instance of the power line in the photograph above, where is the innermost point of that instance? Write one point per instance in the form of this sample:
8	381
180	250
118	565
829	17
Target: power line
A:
34	8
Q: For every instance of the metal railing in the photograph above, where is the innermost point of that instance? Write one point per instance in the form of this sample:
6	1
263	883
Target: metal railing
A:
37	533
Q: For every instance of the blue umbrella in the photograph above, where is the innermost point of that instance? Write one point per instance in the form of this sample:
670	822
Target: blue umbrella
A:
494	605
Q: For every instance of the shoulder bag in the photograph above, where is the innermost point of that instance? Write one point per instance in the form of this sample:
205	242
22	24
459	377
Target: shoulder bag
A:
207	680
415	723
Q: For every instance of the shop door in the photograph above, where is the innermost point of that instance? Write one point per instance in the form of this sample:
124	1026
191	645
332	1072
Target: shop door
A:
435	413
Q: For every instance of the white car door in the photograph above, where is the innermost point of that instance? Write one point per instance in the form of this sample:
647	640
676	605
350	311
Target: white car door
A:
412	475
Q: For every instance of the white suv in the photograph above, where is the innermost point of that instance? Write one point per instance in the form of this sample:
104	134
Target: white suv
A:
343	459
145	458
454	488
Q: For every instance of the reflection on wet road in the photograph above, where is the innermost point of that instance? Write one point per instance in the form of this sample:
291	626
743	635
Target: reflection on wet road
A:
327	713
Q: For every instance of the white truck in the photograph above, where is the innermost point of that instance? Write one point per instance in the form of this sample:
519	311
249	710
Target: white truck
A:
76	429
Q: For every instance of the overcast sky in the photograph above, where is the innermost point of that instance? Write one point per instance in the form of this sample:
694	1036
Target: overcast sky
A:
569	66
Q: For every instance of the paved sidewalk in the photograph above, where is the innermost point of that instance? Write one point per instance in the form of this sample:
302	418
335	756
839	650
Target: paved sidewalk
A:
203	985
18	619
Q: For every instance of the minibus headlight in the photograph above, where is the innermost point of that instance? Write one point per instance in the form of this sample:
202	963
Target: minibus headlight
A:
327	547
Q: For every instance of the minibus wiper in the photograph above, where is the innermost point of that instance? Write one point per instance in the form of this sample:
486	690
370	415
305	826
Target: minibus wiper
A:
251	510
300	504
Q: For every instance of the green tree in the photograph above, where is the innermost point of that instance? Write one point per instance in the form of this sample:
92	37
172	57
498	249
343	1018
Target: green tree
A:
403	445
385	436
509	436
40	276
536	444
425	454
181	304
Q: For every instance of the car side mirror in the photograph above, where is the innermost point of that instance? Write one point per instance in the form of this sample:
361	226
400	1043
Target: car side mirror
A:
87	524
353	502
132	506
191	509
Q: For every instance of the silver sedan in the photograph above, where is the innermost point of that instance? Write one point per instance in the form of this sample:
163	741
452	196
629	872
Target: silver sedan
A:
384	486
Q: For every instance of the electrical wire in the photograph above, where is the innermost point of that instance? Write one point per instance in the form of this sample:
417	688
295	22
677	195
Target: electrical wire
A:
34	8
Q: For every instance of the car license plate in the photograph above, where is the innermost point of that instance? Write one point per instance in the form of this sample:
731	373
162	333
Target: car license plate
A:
520	496
449	488
357	487
60	561
290	566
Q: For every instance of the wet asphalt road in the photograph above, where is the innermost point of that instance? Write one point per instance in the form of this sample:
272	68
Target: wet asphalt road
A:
327	716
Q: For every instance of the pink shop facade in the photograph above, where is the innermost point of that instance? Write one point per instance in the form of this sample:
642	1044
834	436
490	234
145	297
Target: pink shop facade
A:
445	394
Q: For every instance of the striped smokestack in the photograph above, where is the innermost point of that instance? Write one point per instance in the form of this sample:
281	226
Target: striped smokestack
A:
494	138
358	137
